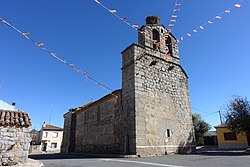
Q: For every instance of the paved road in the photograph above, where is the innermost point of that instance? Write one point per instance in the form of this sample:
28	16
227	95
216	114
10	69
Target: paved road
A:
196	160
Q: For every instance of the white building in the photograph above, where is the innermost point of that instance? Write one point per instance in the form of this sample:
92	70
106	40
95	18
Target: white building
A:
50	138
6	106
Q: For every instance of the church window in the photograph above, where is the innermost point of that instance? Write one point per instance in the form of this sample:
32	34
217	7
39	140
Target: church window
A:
156	37
169	45
168	133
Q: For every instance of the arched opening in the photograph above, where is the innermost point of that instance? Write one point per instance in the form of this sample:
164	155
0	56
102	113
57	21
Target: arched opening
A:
156	37
169	45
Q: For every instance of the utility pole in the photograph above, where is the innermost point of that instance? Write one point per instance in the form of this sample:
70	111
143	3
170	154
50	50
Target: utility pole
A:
220	117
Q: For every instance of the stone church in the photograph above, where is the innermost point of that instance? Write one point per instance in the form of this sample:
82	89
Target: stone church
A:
150	115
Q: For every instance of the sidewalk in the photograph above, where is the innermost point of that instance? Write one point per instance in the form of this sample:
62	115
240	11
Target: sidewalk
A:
219	151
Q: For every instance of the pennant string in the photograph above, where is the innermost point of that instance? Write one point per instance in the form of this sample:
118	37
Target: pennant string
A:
211	21
41	45
114	12
174	14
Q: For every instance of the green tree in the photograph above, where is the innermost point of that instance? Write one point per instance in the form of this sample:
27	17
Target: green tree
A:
238	116
200	128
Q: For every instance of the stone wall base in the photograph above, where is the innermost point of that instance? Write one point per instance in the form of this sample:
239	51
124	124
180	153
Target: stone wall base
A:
145	151
98	148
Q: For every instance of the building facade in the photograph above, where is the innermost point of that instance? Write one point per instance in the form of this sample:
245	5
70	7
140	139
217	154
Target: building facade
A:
49	138
231	140
150	115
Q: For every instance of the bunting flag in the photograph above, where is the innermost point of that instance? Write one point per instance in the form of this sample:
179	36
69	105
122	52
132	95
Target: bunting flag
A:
135	25
25	33
97	2
77	69
40	44
211	21
174	13
114	12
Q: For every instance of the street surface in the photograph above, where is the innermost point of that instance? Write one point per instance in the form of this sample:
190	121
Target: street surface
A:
218	159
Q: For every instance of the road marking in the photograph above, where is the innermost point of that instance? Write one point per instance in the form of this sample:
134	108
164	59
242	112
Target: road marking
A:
140	162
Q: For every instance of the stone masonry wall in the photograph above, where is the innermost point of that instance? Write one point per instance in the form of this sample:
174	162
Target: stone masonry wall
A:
162	104
128	102
66	133
157	95
14	145
97	127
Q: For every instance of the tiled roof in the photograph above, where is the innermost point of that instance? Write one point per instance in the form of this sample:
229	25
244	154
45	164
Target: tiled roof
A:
221	126
51	127
13	118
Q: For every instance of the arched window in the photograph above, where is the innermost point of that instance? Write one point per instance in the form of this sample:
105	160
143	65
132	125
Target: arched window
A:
156	37
169	45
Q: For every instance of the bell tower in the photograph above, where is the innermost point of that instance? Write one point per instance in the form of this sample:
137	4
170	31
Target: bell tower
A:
157	115
156	36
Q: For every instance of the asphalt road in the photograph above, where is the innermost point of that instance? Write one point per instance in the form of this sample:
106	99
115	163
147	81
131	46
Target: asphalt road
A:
218	159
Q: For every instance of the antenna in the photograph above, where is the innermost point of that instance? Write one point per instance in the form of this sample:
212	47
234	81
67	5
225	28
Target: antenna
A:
51	108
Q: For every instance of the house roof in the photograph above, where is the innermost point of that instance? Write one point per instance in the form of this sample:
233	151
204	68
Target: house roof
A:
51	127
13	118
89	104
221	126
210	133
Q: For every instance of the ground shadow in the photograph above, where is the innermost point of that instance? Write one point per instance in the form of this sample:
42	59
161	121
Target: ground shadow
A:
224	153
69	156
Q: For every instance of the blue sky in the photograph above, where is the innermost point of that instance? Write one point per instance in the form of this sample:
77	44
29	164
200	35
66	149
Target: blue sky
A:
217	59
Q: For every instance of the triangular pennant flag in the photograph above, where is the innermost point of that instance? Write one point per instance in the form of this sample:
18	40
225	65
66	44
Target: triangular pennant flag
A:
123	19
135	25
227	11
175	10
210	22
195	31
25	33
40	44
201	27
188	34
237	5
85	73
52	53
182	38
97	2
218	17
171	25
178	4
172	20
174	16
113	11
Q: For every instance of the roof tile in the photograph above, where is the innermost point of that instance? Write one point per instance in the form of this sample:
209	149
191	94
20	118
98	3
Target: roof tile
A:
13	118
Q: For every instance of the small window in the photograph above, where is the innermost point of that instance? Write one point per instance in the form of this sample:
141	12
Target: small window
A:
53	145
156	35
46	134
230	136
168	133
55	134
169	45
